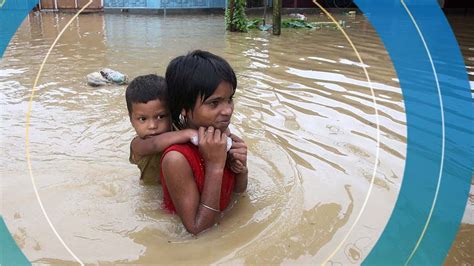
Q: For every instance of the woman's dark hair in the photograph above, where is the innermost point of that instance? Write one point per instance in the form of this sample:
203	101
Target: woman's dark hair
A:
198	73
145	88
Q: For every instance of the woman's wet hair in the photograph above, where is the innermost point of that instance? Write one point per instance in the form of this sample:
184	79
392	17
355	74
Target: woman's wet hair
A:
145	88
198	73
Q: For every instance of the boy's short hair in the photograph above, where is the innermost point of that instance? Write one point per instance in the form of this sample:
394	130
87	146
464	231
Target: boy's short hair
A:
145	88
198	73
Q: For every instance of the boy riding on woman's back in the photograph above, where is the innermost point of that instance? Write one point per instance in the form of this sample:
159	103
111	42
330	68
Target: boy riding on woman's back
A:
146	98
197	180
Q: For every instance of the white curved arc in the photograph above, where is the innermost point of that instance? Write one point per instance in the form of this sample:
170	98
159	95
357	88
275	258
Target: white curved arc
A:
442	134
27	127
377	134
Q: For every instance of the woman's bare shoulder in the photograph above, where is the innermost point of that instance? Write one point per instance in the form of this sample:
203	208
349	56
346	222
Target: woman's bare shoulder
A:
174	158
175	165
177	173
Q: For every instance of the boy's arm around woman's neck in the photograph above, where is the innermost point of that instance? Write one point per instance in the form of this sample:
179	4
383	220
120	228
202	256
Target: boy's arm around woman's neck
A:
157	144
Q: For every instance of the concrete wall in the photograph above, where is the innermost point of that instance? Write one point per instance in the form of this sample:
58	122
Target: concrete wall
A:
159	4
69	4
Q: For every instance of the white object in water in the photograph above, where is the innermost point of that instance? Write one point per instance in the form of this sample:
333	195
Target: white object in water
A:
297	16
96	79
195	141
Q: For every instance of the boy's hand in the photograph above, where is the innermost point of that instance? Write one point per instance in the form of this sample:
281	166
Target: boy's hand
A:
236	166
190	133
238	155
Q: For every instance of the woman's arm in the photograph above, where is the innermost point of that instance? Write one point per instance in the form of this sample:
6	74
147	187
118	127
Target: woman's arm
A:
179	178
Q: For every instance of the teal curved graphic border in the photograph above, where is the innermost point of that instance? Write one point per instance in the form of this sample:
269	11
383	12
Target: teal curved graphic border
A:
440	128
12	13
439	115
10	253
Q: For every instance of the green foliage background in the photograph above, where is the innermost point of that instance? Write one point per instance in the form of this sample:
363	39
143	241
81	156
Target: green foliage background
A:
238	22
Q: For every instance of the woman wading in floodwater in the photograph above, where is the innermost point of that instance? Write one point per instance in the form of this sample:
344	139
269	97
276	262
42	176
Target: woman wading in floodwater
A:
198	181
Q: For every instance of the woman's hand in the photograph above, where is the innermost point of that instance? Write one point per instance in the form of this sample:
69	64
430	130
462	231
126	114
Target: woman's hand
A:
212	146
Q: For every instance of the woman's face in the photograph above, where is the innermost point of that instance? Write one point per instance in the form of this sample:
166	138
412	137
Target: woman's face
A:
215	111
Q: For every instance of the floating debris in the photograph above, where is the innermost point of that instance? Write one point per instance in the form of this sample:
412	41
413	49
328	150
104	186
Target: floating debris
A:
95	79
114	76
106	76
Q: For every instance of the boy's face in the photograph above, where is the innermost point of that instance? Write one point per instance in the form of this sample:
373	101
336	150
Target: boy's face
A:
150	119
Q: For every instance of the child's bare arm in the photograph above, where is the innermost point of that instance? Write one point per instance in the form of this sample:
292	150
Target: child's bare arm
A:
156	144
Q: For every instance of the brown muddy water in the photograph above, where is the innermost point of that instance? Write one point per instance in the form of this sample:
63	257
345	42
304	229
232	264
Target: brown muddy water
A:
303	105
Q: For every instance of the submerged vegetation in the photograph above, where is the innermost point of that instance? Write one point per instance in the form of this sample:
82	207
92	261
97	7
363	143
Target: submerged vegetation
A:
295	23
254	23
236	20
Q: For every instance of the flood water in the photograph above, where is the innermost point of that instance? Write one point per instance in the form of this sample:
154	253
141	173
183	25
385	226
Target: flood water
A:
303	105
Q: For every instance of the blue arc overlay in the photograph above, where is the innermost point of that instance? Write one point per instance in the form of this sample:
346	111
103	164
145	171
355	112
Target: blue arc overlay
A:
440	127
439	115
12	13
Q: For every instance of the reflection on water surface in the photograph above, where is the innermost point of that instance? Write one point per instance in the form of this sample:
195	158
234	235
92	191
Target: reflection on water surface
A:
303	106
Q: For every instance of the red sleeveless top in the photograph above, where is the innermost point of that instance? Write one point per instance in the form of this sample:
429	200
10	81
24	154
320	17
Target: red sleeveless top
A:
192	155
